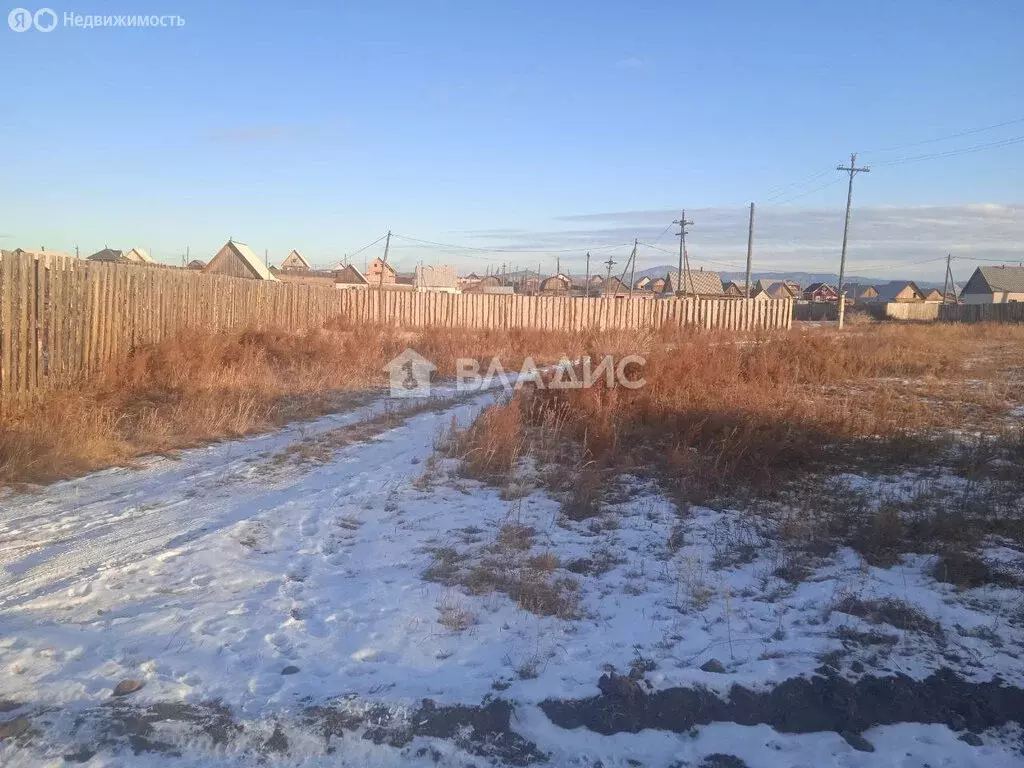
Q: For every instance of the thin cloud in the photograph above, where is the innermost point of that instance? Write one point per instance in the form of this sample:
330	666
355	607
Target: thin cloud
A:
251	134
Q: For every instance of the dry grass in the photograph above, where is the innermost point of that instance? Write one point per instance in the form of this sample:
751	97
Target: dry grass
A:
722	416
506	566
200	387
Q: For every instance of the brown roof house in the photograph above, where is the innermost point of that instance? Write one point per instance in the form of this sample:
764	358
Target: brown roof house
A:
196	264
348	278
440	278
994	285
237	260
643	284
818	293
699	283
294	262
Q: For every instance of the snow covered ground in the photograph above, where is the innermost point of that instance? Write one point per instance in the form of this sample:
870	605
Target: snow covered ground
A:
269	581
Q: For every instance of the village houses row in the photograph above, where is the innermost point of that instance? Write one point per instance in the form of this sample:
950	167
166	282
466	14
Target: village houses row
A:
987	285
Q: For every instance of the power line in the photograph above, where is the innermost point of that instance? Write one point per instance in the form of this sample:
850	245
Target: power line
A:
507	250
791	198
784	190
952	152
968	132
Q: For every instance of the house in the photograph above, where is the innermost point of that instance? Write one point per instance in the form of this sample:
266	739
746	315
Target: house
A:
196	264
381	273
933	295
486	284
735	290
994	285
699	283
898	292
138	256
818	293
107	254
778	289
759	294
594	283
237	260
643	284
858	293
468	281
348	278
294	262
556	285
612	286
440	278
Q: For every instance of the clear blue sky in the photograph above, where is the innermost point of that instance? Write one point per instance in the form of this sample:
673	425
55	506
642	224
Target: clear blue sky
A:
319	125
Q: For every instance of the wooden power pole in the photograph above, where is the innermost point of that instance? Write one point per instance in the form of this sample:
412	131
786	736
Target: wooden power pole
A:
586	284
684	257
948	283
853	170
750	248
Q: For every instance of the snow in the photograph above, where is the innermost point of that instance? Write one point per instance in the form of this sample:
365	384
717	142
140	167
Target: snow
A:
206	575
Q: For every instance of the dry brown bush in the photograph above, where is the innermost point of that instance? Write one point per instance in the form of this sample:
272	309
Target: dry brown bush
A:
199	387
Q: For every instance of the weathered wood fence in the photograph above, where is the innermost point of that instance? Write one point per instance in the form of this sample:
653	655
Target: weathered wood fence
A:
61	318
982	313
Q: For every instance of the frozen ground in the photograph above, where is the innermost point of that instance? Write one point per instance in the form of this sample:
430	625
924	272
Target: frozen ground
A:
273	580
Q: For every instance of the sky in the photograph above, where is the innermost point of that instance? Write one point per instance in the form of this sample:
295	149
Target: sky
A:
516	133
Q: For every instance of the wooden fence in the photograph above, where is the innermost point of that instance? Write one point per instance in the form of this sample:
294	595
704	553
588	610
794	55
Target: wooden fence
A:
982	313
61	318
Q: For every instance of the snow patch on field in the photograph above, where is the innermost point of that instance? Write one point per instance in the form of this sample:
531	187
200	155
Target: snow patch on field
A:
206	577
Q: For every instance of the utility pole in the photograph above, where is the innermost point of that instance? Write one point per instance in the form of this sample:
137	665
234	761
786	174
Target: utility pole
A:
949	278
586	284
632	271
631	266
750	248
684	257
387	248
853	170
608	280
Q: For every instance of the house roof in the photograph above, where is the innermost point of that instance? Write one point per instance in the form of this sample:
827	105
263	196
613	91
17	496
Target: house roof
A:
700	282
819	286
107	254
139	255
196	264
379	262
251	260
351	275
1008	279
892	289
295	259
